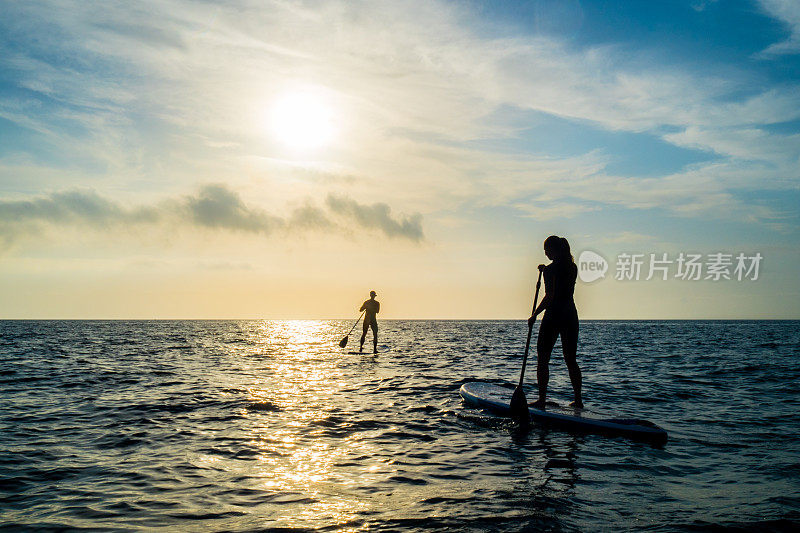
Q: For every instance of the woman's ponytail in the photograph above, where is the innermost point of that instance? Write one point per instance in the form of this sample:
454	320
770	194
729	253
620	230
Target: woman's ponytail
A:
566	254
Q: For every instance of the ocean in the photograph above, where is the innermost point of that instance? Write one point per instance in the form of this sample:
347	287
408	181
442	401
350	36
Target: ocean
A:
258	425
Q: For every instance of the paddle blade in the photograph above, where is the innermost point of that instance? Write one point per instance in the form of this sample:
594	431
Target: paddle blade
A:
519	404
343	342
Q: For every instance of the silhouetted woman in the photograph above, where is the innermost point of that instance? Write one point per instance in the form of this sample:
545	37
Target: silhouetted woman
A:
560	317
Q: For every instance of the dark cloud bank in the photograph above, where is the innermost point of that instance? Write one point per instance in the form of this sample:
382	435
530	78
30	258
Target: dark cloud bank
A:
214	207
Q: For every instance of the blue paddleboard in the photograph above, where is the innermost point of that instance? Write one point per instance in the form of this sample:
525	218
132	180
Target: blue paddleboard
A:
497	399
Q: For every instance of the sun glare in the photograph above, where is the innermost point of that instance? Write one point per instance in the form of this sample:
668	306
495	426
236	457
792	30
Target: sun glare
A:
302	120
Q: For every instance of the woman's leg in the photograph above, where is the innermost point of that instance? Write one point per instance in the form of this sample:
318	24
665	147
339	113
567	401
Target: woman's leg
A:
569	343
548	334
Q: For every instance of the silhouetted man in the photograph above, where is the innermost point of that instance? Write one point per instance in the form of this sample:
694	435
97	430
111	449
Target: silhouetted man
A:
371	308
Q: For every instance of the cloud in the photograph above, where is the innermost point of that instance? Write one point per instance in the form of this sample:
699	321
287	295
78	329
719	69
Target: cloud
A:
788	12
213	208
378	216
72	207
218	207
741	143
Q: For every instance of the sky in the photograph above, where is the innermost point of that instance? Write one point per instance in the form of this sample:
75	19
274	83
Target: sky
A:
279	160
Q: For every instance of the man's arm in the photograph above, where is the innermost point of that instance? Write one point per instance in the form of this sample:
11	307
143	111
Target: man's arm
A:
363	306
377	307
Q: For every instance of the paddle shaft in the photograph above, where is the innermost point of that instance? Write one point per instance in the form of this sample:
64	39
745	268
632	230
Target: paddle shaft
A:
530	330
357	321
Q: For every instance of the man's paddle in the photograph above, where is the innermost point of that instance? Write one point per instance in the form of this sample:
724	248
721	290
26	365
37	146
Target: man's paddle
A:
519	404
343	342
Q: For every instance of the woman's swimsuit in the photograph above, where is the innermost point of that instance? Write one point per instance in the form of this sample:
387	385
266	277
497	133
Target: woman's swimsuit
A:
560	316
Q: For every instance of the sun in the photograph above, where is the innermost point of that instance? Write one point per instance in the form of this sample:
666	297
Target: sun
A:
302	120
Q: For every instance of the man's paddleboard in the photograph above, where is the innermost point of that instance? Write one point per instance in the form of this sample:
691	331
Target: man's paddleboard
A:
497	399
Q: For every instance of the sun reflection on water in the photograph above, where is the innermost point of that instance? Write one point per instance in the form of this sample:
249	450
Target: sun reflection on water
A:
313	436
300	451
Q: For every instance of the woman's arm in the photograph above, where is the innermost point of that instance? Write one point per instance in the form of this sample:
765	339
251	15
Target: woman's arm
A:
543	305
548	297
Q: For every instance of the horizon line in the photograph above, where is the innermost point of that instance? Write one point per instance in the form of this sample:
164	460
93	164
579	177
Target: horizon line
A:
389	319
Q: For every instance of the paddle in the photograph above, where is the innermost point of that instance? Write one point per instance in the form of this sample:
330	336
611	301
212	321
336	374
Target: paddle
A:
343	342
519	404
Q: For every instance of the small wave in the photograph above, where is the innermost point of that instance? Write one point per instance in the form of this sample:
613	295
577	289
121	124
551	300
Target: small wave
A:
772	345
239	452
32	379
559	463
116	442
443	499
428	409
158	504
263	406
718	444
649	399
223	418
205	516
497	381
353	425
288	498
687	395
247	454
408	480
405	435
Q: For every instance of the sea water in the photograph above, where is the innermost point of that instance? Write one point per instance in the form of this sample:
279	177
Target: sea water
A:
253	425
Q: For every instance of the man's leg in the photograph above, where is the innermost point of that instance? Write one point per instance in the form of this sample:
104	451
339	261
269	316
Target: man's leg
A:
363	336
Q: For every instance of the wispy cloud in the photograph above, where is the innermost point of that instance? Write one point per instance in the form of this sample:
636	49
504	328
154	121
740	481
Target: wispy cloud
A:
751	144
788	12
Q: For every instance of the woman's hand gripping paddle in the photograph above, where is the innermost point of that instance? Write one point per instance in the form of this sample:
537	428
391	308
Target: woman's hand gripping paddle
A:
519	404
343	342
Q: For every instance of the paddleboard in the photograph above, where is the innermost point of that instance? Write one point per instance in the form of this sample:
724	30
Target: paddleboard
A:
362	353
497	399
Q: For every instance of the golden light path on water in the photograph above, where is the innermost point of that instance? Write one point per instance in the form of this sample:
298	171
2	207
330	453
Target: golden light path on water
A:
298	458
